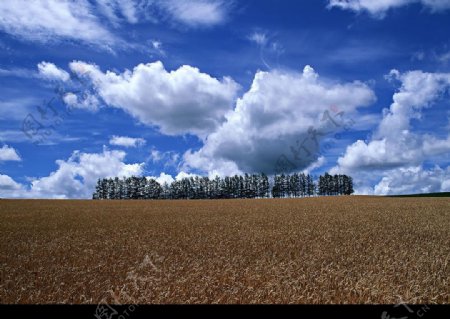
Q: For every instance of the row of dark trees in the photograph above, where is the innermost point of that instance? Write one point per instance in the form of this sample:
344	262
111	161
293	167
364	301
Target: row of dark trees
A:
295	185
335	185
247	186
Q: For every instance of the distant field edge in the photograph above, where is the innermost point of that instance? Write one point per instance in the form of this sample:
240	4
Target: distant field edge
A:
444	194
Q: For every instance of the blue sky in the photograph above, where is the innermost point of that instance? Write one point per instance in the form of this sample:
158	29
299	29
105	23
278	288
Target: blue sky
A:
100	88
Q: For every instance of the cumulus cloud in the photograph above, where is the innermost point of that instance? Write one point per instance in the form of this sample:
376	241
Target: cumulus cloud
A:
45	20
8	154
394	144
167	178
50	71
86	101
75	177
379	8
7	183
280	112
126	141
163	178
177	102
181	175
9	188
414	179
395	148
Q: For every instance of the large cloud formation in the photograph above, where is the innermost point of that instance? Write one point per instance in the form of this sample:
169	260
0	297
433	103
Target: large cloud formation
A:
284	115
177	102
395	149
280	111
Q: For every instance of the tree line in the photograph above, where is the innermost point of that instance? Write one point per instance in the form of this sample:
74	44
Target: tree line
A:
246	186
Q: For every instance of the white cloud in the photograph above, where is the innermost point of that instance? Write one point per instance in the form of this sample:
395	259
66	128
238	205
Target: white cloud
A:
196	12
16	109
167	178
157	46
279	112
379	8
436	5
178	102
13	136
181	175
169	158
163	178
9	188
444	58
414	179
259	38
433	146
156	155
118	10
394	144
46	20
90	22
19	72
77	177
321	161
126	141
8	154
50	71
87	101
270	51
395	148
384	153
418	56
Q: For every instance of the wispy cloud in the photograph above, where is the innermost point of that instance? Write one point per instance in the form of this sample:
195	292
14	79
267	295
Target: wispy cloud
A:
94	22
196	13
126	141
16	109
379	8
169	158
444	58
19	72
47	20
259	38
51	72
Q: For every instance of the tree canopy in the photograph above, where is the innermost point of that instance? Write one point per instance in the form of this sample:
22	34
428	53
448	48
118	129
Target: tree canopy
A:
238	186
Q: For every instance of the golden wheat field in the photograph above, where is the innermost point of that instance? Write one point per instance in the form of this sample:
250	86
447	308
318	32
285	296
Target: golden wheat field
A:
313	250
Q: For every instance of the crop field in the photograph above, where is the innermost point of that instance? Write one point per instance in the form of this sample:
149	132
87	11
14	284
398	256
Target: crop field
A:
314	250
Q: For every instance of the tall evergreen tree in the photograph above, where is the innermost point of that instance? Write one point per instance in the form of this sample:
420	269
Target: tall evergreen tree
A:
311	187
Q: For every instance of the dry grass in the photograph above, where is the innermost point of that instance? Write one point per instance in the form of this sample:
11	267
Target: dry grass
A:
318	250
